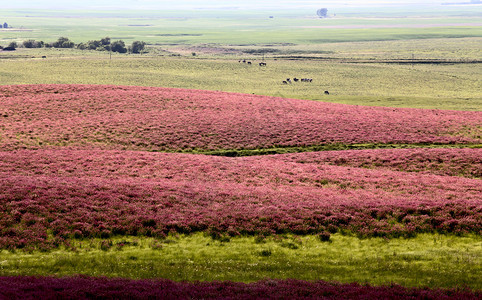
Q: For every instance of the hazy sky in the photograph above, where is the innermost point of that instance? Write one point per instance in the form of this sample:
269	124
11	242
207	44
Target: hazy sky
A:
196	4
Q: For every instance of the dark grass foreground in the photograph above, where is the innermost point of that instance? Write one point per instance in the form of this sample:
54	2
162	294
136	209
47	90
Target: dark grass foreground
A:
104	288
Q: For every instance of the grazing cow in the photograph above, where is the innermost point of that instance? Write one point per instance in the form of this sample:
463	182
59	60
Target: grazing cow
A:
285	82
288	80
327	93
295	79
44	56
249	62
244	60
262	64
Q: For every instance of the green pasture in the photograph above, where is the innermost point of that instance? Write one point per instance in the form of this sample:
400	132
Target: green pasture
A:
432	260
423	58
439	86
232	27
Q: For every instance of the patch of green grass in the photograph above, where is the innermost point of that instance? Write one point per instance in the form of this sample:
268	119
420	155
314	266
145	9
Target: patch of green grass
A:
327	147
427	260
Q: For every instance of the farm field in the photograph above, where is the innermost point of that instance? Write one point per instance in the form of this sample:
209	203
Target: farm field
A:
153	172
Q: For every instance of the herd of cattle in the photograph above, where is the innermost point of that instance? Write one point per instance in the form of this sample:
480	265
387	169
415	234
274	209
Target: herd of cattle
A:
288	80
244	61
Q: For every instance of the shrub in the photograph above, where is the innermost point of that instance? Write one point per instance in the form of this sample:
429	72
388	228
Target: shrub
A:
119	46
63	42
137	47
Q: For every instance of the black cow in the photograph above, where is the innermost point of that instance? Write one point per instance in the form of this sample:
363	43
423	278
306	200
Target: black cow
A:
262	64
327	93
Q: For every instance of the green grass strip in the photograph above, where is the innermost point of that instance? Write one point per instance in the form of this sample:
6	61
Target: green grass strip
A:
431	260
327	147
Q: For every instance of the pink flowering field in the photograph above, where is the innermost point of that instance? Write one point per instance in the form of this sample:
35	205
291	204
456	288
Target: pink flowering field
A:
167	119
97	161
83	287
99	193
450	162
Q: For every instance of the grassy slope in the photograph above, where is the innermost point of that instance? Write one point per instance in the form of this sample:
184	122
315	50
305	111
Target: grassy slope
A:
428	260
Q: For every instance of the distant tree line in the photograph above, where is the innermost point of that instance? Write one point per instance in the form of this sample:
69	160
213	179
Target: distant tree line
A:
104	44
119	46
4	25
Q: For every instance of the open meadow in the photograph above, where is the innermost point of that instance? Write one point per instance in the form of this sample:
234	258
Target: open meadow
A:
192	171
449	83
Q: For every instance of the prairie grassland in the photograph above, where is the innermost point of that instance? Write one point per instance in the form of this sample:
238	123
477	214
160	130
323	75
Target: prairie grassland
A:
437	86
430	260
241	27
351	55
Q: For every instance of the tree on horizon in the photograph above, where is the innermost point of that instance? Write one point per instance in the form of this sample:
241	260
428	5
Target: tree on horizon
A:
322	12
